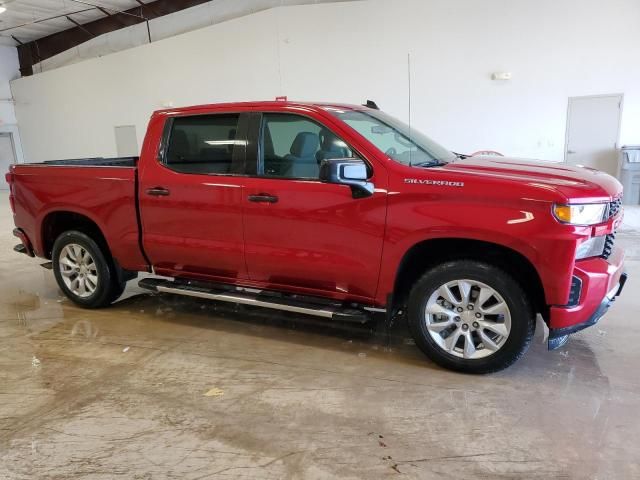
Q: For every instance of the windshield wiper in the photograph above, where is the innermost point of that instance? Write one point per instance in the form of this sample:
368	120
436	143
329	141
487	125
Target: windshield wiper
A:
430	163
461	156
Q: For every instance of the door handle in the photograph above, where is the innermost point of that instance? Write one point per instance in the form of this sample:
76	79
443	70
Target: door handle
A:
158	191
571	151
263	198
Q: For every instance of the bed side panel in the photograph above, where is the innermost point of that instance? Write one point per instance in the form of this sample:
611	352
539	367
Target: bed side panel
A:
106	195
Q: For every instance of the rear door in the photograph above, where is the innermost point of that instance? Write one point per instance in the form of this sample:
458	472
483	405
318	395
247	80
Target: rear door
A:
302	234
191	197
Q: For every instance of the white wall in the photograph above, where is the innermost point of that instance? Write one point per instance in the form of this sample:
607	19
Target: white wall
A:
354	51
9	70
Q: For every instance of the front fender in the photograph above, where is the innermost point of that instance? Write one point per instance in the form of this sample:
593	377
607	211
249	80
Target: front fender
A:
526	228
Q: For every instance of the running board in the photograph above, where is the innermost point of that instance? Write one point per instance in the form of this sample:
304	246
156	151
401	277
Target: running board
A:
258	298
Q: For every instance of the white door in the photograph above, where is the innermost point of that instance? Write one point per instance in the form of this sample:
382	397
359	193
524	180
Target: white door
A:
7	157
126	141
593	126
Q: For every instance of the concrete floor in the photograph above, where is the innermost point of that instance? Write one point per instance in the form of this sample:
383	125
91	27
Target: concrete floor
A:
161	387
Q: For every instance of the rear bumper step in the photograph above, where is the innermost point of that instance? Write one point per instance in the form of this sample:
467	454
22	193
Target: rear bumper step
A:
25	247
258	298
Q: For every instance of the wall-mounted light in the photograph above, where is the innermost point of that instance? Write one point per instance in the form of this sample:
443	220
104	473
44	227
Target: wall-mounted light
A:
3	9
503	76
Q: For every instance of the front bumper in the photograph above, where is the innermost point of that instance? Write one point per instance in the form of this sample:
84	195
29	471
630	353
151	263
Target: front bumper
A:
602	281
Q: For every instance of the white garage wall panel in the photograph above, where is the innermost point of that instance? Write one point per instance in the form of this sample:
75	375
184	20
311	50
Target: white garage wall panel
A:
8	71
353	51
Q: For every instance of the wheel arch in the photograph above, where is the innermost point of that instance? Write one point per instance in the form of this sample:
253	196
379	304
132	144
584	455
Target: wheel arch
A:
428	253
57	222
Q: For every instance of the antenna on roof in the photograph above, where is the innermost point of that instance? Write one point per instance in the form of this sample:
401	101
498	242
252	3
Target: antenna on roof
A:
371	104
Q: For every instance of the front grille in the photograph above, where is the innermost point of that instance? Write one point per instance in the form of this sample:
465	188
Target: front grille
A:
608	245
614	207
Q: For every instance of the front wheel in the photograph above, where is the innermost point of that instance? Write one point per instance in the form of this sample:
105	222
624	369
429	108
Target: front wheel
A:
82	271
470	316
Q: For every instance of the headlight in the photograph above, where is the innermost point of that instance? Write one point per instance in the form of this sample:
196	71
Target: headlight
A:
581	214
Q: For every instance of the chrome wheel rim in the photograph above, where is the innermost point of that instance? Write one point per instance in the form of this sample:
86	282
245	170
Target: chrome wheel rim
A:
468	319
78	270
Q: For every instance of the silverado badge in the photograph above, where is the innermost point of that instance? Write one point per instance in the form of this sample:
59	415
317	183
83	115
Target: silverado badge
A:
443	183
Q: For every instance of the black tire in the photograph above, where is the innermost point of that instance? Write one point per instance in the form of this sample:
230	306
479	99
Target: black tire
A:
521	311
108	288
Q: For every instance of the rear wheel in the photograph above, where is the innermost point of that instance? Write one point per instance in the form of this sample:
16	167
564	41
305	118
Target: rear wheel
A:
470	316
83	272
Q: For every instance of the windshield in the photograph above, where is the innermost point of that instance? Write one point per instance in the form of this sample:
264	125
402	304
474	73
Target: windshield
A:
396	139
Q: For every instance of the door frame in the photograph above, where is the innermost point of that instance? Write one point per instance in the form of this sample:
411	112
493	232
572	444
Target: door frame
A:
14	135
568	121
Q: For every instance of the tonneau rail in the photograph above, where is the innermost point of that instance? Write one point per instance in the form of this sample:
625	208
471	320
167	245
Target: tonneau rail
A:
89	162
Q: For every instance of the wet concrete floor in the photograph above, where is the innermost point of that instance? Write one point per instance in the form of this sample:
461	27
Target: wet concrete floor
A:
160	387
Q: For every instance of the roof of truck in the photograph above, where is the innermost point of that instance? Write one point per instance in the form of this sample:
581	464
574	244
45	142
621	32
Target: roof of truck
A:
264	104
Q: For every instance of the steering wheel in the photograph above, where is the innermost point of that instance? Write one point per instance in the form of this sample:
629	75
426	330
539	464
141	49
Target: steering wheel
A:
391	152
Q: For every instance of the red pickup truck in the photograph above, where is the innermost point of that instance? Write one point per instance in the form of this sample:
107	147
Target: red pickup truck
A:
337	211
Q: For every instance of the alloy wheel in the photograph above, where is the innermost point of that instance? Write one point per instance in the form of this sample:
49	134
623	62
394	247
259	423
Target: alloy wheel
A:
78	270
468	319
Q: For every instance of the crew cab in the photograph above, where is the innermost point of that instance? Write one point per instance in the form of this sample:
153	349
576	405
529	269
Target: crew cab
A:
337	211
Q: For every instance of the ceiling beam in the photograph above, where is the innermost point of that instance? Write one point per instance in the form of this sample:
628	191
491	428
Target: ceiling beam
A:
109	14
106	12
42	20
146	6
80	26
102	8
30	53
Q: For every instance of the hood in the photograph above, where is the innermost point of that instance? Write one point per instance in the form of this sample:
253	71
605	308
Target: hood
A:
572	182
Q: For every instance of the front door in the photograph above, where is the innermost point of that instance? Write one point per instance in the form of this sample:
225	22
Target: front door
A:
304	235
191	198
592	132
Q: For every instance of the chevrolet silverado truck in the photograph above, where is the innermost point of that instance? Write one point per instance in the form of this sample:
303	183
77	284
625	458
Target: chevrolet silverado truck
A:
336	211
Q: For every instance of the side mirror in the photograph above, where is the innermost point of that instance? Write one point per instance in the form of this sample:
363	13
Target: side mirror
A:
347	171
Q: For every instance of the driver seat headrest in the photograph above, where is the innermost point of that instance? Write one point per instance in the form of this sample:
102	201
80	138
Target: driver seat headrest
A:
304	145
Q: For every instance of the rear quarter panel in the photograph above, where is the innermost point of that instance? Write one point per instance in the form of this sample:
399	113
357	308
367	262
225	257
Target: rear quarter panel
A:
105	195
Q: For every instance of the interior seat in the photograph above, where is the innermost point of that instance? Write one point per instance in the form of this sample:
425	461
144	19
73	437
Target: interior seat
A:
302	161
330	147
179	148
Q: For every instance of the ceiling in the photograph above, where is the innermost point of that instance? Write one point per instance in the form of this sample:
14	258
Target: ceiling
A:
28	20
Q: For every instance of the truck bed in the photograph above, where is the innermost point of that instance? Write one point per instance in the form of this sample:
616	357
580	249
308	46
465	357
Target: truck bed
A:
102	190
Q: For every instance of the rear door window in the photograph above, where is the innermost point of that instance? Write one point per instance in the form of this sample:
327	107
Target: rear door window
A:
204	144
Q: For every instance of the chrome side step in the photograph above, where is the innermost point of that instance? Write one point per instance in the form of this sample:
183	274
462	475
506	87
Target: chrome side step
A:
258	298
